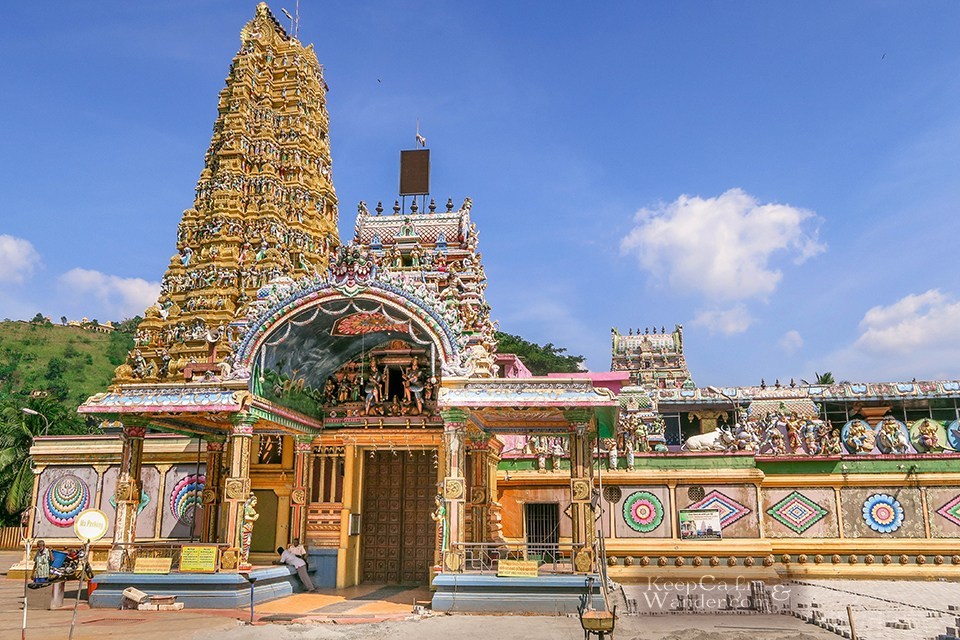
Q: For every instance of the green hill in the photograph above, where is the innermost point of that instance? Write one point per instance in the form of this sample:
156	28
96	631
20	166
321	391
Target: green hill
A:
65	364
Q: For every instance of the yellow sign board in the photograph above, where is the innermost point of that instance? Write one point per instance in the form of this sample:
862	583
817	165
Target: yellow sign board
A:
152	565
517	569
201	558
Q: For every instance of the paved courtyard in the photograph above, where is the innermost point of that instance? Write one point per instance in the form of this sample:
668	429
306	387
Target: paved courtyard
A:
386	612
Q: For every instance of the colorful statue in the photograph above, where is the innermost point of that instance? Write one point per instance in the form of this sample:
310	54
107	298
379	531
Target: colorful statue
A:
250	516
772	440
612	454
833	447
439	516
860	437
927	436
557	452
891	437
813	431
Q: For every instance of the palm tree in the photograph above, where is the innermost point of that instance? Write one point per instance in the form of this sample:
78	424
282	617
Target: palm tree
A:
825	378
17	431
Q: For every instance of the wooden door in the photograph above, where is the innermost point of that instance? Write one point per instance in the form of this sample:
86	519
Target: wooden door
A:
398	533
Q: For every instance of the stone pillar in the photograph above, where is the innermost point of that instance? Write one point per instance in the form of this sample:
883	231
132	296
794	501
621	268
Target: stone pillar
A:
477	484
581	494
236	483
454	488
302	467
127	497
212	495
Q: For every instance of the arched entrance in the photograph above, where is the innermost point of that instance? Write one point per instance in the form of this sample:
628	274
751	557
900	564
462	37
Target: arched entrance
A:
361	372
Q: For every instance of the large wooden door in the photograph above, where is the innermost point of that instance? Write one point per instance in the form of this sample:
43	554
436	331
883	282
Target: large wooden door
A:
398	533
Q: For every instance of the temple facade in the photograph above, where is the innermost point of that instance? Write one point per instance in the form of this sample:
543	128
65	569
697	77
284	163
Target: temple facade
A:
287	385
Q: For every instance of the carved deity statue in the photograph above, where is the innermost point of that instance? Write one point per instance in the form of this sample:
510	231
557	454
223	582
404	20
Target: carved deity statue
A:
250	516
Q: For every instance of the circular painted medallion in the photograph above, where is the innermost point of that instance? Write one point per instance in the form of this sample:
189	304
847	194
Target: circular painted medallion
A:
953	435
883	513
642	511
858	436
928	435
185	496
64	499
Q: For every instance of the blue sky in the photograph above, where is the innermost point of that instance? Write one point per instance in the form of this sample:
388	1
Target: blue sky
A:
782	179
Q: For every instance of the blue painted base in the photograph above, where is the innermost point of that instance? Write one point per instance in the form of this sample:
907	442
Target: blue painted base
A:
323	567
471	593
199	590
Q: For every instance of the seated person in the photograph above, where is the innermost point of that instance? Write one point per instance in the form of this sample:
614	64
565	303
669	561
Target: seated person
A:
288	558
297	549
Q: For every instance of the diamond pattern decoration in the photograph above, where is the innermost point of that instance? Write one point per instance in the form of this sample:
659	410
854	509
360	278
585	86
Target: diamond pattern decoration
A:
951	511
730	509
797	512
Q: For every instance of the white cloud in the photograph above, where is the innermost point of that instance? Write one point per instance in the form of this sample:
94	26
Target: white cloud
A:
915	337
726	321
791	341
722	247
18	259
109	297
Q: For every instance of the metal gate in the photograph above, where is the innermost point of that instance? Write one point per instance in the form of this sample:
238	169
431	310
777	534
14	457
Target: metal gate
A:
398	534
542	521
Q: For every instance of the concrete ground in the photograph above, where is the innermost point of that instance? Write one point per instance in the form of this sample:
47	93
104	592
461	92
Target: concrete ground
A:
386	612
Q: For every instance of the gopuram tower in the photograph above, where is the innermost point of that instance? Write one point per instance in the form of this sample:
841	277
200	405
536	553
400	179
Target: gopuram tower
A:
265	208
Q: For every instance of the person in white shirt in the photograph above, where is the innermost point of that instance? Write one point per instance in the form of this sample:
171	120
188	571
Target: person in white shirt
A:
297	549
289	558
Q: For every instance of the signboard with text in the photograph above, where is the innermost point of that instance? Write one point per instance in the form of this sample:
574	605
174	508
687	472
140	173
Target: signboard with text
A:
199	558
517	569
700	524
152	565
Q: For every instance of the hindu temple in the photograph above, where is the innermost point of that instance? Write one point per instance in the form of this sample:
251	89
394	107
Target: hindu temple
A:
348	393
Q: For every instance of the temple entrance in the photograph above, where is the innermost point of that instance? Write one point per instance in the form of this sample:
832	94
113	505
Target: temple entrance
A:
542	522
265	531
398	534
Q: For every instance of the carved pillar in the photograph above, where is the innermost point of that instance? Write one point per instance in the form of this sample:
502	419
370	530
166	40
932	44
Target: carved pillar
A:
454	488
302	463
236	483
581	494
212	495
127	496
477	484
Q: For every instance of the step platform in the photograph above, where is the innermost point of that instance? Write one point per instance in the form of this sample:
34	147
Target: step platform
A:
544	595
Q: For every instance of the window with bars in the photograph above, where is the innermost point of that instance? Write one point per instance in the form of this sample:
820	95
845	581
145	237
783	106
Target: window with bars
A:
542	521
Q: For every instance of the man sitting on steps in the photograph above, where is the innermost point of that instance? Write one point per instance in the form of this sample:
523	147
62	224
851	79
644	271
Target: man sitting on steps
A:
288	558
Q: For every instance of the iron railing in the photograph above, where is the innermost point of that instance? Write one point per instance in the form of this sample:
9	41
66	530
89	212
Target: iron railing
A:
484	557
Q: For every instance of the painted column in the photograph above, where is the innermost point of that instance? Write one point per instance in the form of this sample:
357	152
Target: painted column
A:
302	459
212	494
454	489
235	488
127	496
581	494
479	492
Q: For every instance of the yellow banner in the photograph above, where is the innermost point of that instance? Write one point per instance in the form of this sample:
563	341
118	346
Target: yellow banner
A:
517	569
198	559
152	565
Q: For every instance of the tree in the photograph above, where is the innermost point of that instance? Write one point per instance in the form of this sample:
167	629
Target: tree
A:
540	359
38	319
63	320
825	378
17	431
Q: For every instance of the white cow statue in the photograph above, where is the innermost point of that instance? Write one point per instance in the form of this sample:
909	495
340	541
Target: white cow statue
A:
716	440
